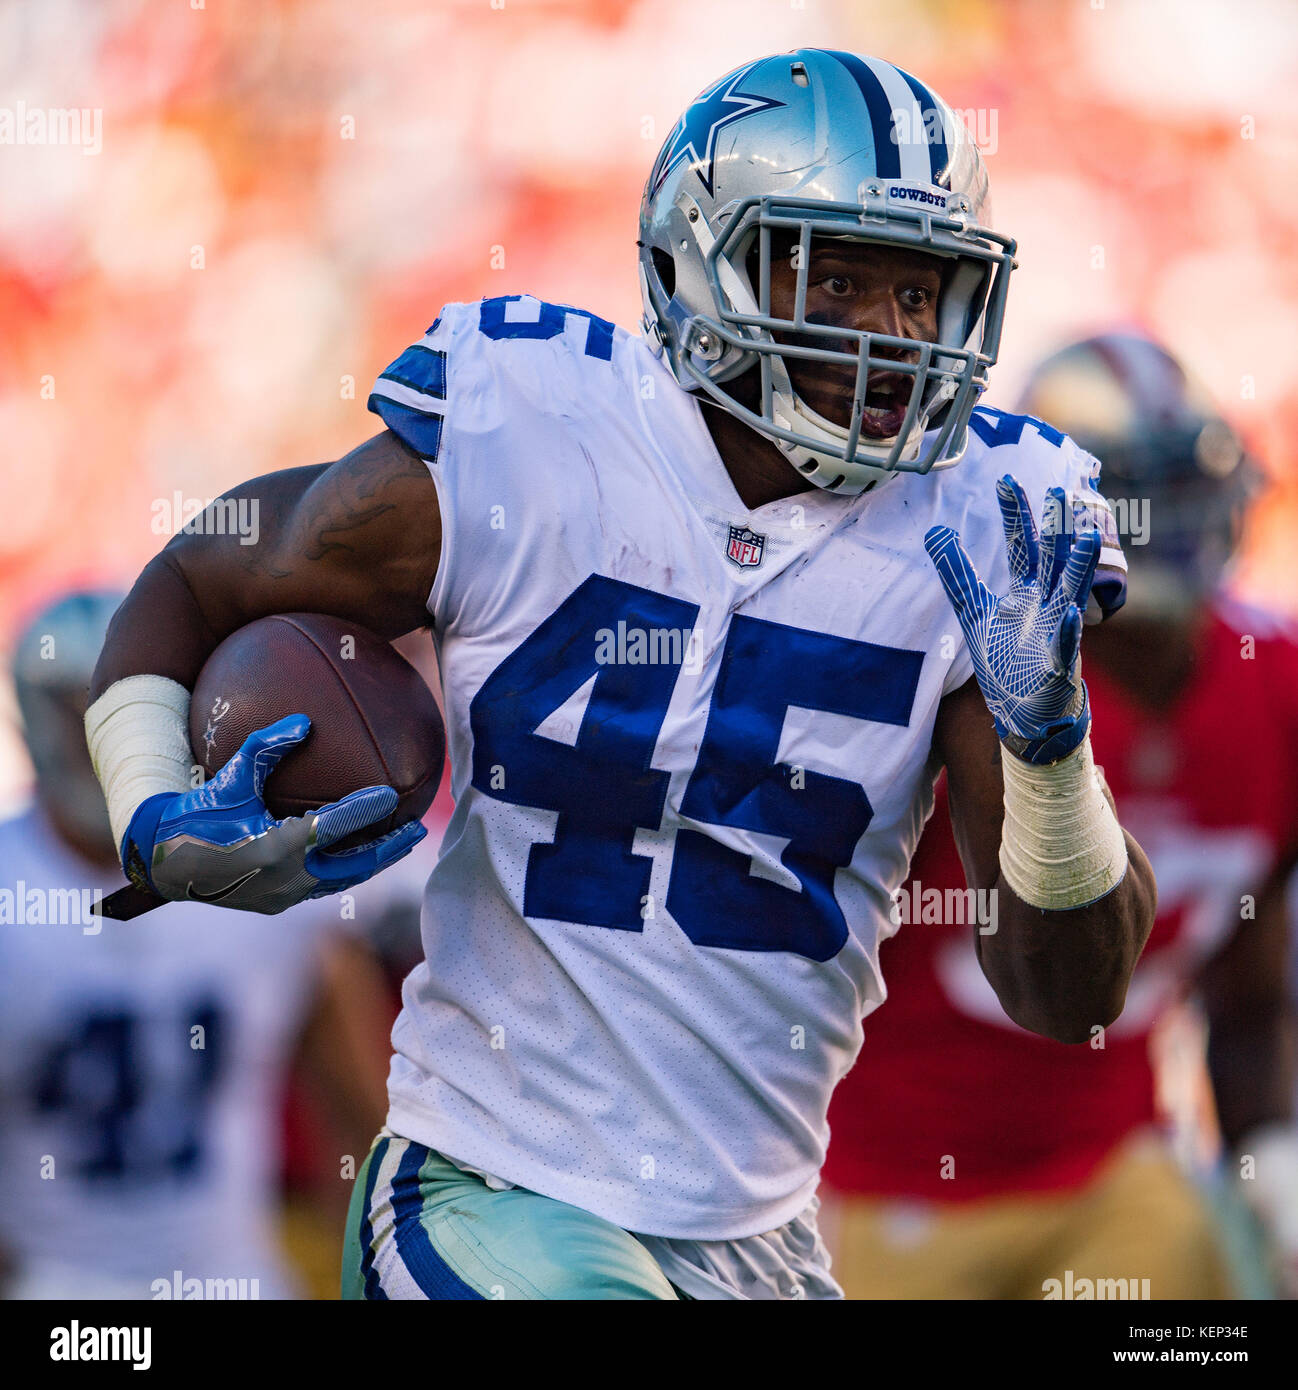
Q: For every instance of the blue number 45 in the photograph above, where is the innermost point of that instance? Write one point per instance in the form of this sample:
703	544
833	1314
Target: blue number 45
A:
603	786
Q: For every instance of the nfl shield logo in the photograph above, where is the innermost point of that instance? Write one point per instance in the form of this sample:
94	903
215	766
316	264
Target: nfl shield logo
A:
745	547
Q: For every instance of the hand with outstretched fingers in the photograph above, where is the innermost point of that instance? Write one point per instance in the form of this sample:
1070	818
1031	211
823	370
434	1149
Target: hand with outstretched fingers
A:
1025	643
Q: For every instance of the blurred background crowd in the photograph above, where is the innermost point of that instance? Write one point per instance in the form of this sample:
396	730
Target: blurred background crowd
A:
282	193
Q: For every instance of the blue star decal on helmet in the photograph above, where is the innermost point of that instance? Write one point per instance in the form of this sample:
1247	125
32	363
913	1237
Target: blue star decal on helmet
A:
694	136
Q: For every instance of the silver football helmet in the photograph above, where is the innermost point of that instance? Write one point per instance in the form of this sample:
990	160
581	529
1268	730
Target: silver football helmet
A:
818	143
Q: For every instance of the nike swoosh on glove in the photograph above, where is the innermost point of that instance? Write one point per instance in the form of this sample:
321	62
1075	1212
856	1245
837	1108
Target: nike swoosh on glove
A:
1025	643
219	843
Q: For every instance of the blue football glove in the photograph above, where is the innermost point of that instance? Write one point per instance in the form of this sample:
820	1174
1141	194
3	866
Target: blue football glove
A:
1025	644
219	843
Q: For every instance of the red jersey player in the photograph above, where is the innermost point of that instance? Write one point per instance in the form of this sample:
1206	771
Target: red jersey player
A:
971	1159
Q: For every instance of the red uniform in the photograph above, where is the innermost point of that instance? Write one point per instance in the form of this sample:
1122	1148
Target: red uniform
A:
950	1101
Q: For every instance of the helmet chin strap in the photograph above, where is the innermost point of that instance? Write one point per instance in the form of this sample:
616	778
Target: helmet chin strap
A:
790	412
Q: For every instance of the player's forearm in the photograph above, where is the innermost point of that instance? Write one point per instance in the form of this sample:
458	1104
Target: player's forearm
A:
137	724
1064	973
1075	895
203	586
159	602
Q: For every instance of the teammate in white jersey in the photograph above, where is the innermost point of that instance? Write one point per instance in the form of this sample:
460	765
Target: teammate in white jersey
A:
713	606
142	1063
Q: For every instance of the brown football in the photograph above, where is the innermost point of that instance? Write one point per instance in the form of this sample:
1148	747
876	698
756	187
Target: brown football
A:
373	719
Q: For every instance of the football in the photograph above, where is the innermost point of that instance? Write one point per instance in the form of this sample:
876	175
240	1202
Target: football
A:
373	719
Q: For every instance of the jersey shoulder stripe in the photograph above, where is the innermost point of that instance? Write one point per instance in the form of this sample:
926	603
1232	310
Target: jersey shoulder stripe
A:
410	394
423	370
493	356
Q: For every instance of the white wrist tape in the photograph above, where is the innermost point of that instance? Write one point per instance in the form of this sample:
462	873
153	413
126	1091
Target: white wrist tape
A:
1062	846
138	735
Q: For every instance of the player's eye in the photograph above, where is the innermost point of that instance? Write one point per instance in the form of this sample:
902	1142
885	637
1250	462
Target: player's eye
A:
916	298
838	285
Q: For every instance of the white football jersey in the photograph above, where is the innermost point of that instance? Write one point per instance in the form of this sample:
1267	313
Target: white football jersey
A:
141	1074
691	759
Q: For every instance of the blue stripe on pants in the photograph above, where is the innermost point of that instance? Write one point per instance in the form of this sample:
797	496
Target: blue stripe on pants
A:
436	1279
372	1287
421	1228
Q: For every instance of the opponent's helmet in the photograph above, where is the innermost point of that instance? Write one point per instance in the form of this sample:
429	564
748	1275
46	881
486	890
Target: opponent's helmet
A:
1171	466
53	662
821	143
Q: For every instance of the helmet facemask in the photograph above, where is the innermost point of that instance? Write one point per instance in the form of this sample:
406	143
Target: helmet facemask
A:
947	375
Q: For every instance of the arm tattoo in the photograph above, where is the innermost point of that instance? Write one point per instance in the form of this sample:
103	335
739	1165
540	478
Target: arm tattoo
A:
369	483
331	515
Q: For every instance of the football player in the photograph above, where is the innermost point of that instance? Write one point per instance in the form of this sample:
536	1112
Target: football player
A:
972	1160
712	607
142	1063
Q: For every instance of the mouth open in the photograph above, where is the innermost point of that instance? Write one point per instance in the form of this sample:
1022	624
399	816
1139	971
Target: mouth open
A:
886	398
